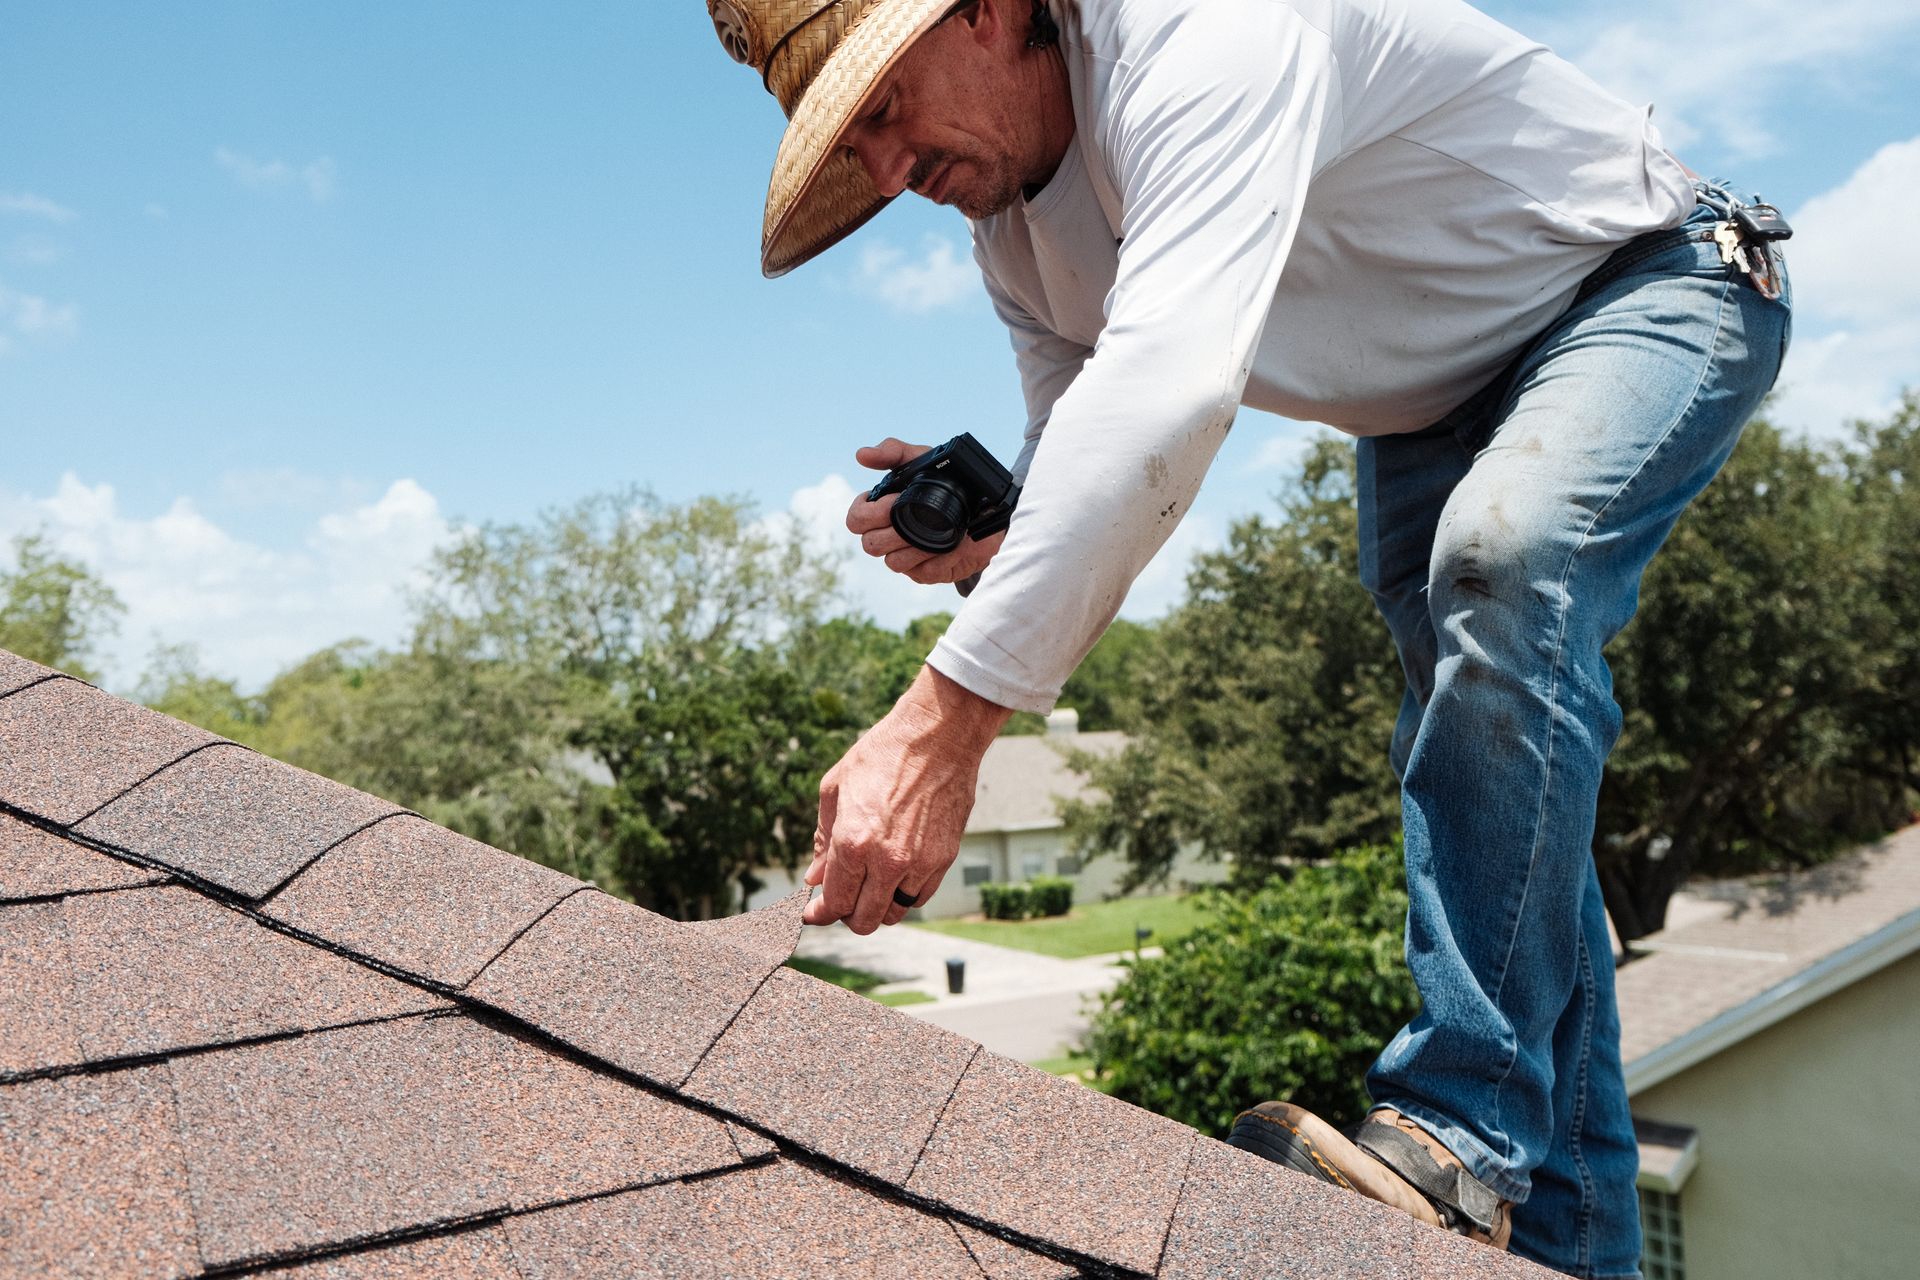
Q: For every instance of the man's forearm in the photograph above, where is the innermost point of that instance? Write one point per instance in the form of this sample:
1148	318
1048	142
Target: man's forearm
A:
957	718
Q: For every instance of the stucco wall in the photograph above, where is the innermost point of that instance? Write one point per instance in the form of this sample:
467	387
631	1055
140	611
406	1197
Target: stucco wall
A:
1809	1141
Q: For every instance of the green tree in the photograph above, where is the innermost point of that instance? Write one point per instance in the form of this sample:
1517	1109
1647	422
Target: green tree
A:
53	609
716	771
1104	689
1762	679
1287	991
175	685
1265	703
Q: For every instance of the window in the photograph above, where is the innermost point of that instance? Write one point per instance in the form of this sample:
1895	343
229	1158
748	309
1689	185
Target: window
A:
1068	866
1034	864
970	876
1663	1254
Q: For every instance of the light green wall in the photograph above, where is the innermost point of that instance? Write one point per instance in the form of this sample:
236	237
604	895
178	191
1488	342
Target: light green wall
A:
1809	1141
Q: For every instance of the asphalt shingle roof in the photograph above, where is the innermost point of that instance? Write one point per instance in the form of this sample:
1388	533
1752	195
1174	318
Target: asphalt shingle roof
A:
252	1021
1773	930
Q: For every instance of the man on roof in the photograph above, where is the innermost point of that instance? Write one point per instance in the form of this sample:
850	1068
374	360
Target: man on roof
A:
1398	217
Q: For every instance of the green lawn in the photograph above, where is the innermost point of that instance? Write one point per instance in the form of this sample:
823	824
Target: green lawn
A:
856	980
1076	1066
898	998
1088	930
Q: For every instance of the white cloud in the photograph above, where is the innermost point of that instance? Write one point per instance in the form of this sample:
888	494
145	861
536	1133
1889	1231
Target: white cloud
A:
1713	74
939	277
25	315
249	609
34	206
1856	296
316	176
34	251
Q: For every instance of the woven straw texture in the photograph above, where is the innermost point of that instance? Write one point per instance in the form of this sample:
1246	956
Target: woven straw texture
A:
820	60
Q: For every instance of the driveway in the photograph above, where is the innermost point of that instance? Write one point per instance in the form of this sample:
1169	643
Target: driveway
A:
1017	1003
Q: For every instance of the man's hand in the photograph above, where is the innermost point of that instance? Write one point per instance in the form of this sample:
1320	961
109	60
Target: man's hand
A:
872	521
894	808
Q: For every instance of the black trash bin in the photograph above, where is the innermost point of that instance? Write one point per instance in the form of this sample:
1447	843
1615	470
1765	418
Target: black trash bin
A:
956	975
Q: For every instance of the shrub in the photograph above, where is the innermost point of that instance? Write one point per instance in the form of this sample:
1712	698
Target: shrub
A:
1006	901
1052	895
1288	992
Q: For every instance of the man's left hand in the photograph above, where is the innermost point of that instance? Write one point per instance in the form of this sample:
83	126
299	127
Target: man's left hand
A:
893	810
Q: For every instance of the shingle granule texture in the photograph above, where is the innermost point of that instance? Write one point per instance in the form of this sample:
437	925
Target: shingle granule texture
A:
636	1235
1242	1215
36	990
772	1222
427	1120
66	748
623	984
1003	1261
17	673
166	968
234	818
768	935
868	1102
94	1184
37	864
420	898
1054	1160
1442	1255
751	1143
480	1254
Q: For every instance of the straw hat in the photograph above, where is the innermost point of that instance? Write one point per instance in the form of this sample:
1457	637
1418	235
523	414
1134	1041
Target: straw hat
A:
820	58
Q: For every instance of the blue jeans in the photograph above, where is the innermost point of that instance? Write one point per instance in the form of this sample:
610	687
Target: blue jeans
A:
1504	545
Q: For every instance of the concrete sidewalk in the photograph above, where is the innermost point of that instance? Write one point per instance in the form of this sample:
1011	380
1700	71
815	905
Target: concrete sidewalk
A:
1018	1003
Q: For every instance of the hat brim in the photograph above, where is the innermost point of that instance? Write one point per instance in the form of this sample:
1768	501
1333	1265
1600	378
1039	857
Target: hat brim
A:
820	194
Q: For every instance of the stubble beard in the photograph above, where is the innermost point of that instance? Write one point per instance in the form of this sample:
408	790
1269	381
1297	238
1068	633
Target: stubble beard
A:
992	192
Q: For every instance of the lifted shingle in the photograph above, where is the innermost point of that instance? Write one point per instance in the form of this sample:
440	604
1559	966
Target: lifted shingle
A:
627	986
768	935
1053	1160
868	1102
38	864
66	748
419	898
94	1184
234	818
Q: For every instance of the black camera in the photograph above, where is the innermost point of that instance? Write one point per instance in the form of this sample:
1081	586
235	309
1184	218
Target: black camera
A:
955	490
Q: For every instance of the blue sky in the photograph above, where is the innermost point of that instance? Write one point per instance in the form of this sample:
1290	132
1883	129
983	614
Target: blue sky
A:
287	292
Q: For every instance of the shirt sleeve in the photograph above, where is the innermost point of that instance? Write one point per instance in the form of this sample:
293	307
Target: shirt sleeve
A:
1217	116
1047	362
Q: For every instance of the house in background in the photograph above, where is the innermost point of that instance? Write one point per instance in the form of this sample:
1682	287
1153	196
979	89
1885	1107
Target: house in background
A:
1015	831
1772	1052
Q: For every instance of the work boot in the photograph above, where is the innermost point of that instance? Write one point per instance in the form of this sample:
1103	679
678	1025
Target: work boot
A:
1386	1157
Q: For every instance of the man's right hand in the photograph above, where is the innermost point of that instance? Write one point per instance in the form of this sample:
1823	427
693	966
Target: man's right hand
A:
873	523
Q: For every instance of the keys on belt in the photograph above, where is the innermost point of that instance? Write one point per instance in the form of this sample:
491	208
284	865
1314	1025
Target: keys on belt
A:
1745	238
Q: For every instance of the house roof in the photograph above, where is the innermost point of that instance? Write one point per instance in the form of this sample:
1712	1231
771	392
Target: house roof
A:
253	1021
1779	944
1024	777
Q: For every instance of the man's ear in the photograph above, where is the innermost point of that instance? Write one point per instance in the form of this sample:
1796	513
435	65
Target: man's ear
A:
986	19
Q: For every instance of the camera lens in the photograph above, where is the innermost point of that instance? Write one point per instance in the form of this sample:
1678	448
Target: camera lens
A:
930	514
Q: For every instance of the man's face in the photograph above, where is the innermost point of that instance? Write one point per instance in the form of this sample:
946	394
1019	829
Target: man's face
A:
946	120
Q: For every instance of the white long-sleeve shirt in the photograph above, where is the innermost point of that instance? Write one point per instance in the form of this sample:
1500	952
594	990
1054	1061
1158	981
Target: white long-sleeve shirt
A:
1346	211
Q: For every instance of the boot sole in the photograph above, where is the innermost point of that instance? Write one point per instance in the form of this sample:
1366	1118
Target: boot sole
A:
1283	1143
1301	1141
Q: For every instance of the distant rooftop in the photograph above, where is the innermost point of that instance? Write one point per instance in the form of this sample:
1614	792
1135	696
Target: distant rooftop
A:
1024	777
1776	944
253	1021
